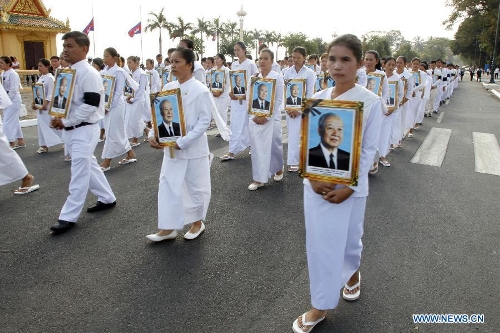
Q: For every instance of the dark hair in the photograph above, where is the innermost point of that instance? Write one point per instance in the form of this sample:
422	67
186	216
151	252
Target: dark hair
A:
433	61
439	60
263	46
170	50
222	57
150	61
324	55
80	38
416	58
46	63
249	56
158	55
268	52
300	49
378	65
351	42
188	55
242	45
189	43
425	65
388	59
112	52
55	57
313	56
134	58
7	60
210	59
402	57
204	59
99	63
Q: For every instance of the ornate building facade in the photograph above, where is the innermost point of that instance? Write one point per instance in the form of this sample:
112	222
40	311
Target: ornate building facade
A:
28	32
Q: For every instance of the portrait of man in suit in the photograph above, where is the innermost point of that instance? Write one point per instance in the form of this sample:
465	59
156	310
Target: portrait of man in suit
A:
168	128
328	154
217	84
370	85
127	90
260	102
390	100
60	99
38	96
294	93
238	89
105	83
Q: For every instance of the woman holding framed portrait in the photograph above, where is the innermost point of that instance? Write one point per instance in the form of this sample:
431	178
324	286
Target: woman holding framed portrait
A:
116	143
239	139
47	136
185	189
11	114
265	131
419	79
293	117
404	105
334	214
135	106
222	98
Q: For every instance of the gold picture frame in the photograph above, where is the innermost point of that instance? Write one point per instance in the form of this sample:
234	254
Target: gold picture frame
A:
38	94
64	86
323	81
297	87
217	85
149	76
127	89
261	103
173	126
109	90
343	116
238	80
375	82
392	100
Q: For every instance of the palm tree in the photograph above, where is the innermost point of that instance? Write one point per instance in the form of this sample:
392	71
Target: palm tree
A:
269	37
256	38
230	28
278	38
217	29
180	29
159	21
202	27
418	43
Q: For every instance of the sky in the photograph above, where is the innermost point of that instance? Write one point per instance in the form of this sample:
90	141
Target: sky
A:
114	18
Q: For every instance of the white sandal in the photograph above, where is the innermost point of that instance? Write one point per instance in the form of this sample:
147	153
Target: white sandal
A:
26	190
355	296
298	329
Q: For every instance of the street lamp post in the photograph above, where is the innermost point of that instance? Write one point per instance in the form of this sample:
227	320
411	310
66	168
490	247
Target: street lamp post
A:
241	14
492	79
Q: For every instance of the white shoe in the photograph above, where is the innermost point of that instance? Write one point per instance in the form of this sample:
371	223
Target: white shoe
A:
410	135
254	186
278	178
190	235
157	238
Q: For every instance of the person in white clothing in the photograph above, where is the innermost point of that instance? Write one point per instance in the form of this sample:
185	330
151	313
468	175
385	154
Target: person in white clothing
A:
81	133
116	143
11	114
47	137
239	139
404	105
135	105
265	132
184	189
222	98
293	117
334	214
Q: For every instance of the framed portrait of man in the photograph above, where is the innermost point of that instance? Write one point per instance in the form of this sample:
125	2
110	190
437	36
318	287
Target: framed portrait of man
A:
38	94
238	82
311	67
109	89
168	116
392	100
295	92
416	78
331	141
374	83
63	92
217	80
323	81
262	92
127	90
164	77
149	75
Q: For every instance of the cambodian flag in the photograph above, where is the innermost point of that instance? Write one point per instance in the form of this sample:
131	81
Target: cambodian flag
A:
135	30
89	27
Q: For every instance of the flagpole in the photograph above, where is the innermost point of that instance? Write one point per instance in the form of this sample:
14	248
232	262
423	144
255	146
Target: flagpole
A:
94	26
140	14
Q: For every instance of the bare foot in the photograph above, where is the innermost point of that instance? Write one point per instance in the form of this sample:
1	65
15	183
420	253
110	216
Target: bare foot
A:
195	227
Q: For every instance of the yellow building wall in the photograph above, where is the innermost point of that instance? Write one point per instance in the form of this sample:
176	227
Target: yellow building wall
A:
11	43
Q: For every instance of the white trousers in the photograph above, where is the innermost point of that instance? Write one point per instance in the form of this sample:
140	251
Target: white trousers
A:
396	133
385	135
86	174
421	110
437	99
116	143
333	244
267	152
47	136
240	138
11	124
11	166
222	103
293	125
133	119
184	191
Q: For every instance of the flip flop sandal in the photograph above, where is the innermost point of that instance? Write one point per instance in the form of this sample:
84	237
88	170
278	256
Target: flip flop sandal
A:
127	161
26	190
298	329
227	157
355	296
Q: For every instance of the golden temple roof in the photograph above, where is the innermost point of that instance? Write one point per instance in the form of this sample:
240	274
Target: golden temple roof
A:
28	15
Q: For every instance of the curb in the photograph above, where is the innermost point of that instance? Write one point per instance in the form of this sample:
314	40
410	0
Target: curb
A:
496	93
493	88
29	122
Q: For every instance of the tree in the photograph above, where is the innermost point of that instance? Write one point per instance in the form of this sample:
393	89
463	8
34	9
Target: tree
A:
418	44
230	29
257	37
159	22
292	40
217	29
405	50
377	43
180	29
202	27
395	39
435	48
320	46
197	44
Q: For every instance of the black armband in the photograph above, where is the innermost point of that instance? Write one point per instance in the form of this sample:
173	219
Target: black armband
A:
92	98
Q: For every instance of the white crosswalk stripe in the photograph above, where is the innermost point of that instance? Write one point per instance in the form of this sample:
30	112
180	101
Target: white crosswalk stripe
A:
433	148
486	153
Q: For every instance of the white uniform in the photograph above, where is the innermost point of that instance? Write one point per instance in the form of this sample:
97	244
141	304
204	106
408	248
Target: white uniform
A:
222	102
81	142
133	112
155	84
267	151
293	124
390	124
11	114
426	94
333	231
47	136
439	89
414	102
405	109
184	189
240	139
116	143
